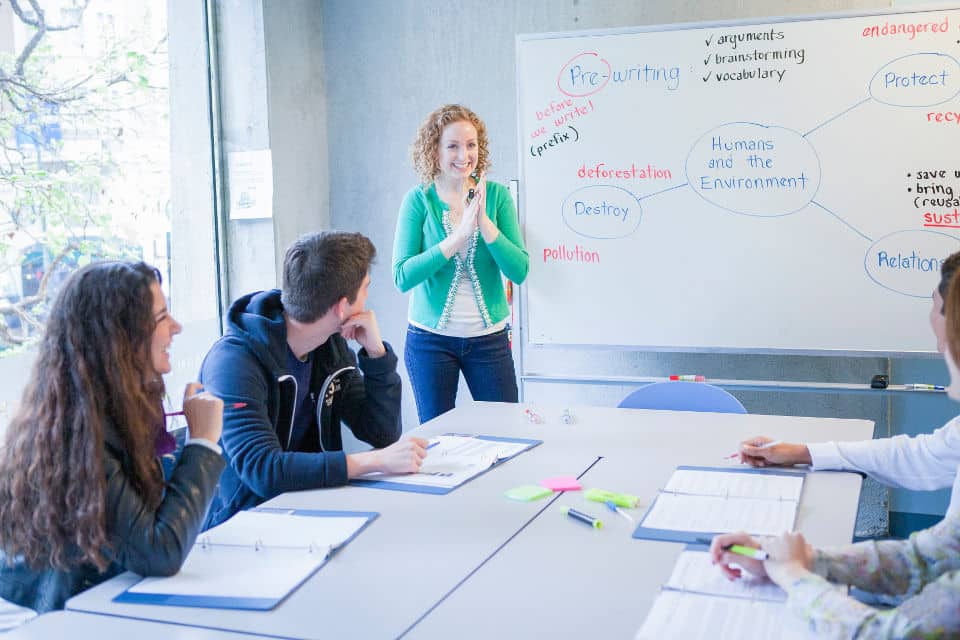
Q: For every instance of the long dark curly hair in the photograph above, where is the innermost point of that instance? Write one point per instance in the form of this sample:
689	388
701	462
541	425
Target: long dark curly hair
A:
93	375
426	144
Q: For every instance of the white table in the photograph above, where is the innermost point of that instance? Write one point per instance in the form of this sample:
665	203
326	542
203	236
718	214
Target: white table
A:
473	563
70	625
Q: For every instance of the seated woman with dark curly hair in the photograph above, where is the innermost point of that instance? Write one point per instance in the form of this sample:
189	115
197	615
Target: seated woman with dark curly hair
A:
82	495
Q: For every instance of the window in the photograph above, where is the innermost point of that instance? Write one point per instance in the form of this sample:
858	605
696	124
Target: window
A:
88	109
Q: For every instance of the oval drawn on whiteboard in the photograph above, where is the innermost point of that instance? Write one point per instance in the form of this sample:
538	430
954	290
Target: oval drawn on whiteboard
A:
908	262
917	80
754	169
584	75
602	212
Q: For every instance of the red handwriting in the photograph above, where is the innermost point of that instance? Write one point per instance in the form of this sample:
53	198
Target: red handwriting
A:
911	30
633	172
951	220
563	253
943	116
577	111
554	107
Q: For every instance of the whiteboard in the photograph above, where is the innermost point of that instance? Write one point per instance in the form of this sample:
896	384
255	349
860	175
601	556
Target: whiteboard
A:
783	186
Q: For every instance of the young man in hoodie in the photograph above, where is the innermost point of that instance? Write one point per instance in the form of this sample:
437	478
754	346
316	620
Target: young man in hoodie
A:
285	357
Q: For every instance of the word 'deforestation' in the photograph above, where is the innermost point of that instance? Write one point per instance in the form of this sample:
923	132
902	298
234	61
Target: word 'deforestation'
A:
633	172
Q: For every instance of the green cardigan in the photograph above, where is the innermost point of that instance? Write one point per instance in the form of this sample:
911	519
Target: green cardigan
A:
419	264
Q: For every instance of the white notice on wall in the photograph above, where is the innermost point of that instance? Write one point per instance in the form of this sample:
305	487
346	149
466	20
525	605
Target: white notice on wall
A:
250	176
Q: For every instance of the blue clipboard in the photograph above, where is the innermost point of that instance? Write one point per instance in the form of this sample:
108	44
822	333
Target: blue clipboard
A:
249	603
701	537
392	485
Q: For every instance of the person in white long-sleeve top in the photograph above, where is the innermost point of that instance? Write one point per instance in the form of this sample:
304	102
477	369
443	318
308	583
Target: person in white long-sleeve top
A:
925	462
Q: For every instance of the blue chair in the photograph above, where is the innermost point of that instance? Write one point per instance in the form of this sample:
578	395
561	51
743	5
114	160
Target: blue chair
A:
682	396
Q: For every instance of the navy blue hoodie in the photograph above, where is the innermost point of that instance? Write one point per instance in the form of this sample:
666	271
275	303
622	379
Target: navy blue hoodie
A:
249	364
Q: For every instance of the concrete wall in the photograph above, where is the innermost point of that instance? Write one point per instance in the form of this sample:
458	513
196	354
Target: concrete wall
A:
388	63
271	90
297	115
244	126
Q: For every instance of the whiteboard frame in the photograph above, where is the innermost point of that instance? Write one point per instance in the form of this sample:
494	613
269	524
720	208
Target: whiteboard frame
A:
683	26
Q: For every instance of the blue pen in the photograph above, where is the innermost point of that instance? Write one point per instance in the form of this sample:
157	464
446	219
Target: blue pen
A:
613	507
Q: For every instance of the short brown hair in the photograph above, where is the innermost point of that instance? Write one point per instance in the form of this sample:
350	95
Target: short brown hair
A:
321	268
427	142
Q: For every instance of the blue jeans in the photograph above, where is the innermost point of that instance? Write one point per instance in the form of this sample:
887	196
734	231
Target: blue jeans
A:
434	363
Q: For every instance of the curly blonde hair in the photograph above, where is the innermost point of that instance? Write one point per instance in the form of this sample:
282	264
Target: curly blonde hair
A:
425	146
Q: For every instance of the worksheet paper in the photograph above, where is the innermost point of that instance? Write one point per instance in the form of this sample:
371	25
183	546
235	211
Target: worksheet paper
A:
718	501
453	460
691	616
735	484
710	514
255	555
695	573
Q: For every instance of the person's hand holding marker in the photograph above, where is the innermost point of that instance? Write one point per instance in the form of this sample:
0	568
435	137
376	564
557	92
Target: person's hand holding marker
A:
782	559
722	553
472	205
761	451
204	413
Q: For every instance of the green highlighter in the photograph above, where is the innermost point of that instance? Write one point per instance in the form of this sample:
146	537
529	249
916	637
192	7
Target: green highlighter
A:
750	552
619	499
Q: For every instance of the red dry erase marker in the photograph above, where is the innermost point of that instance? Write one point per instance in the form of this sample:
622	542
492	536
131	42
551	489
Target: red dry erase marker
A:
688	378
235	405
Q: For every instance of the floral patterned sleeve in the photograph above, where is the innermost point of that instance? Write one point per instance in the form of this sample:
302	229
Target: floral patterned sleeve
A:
926	567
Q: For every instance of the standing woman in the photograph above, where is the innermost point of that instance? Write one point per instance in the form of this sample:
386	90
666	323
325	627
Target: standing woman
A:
82	496
457	236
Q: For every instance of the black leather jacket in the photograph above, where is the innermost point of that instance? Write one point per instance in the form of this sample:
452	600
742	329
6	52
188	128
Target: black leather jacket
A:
143	540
